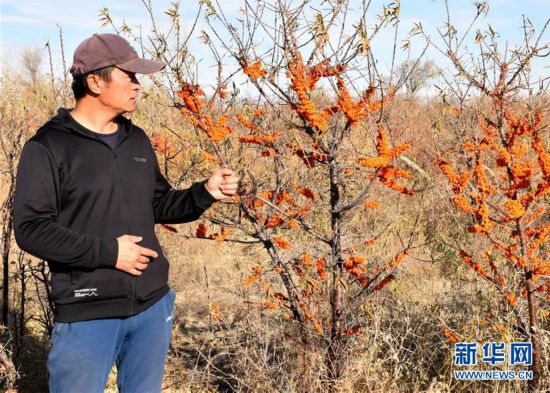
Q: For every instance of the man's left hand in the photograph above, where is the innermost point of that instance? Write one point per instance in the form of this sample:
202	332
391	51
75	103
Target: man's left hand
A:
222	184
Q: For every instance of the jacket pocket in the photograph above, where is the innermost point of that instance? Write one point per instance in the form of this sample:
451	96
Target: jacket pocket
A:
61	285
154	278
98	284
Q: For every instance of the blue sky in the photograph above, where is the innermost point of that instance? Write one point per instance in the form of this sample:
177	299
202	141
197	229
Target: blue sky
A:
32	23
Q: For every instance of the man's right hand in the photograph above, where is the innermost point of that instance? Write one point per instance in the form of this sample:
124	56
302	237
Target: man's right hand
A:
132	258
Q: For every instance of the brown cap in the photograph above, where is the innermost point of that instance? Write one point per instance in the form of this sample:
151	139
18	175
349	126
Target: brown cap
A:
104	50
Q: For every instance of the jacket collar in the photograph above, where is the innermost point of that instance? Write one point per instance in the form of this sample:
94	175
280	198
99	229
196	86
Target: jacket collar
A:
63	121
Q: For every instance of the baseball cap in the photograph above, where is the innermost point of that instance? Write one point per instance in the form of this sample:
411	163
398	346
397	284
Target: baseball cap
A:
104	50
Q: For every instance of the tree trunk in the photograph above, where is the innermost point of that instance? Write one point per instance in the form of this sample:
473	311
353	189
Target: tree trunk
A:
290	287
22	327
533	333
532	307
6	242
336	348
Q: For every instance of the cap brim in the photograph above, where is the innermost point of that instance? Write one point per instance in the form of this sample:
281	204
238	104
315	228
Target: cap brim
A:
142	66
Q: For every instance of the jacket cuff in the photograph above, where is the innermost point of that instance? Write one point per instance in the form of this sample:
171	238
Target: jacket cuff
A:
108	252
203	198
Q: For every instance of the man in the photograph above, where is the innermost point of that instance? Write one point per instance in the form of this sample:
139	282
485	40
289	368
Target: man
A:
89	192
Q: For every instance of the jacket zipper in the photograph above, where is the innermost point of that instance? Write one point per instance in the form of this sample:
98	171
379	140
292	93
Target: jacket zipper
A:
126	226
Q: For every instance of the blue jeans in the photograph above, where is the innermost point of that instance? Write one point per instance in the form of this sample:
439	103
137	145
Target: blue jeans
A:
83	353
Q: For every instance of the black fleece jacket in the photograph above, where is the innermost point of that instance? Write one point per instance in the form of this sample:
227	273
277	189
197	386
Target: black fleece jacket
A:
75	195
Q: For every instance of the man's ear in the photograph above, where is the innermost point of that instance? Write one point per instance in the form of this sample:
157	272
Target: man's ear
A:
94	83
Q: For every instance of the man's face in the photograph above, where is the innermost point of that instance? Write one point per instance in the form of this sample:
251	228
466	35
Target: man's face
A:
121	92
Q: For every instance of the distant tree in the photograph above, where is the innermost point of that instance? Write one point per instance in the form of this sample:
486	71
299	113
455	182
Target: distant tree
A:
31	60
416	75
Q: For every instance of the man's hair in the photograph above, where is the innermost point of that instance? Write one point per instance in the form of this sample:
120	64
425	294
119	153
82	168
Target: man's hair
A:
80	83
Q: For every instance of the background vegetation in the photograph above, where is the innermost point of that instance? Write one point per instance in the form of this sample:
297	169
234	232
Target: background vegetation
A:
345	264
